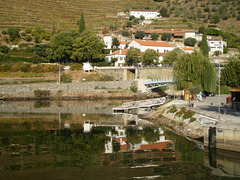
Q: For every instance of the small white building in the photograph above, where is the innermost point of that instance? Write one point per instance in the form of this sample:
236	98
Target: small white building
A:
123	44
148	14
216	44
107	41
159	46
87	67
119	54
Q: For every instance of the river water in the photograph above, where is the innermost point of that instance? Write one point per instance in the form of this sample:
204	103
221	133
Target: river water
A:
84	140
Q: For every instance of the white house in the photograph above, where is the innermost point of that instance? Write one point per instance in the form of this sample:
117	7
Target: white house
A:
123	44
107	41
216	44
119	54
159	46
148	14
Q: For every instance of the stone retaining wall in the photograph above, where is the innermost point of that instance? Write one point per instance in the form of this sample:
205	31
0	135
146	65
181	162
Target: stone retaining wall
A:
69	87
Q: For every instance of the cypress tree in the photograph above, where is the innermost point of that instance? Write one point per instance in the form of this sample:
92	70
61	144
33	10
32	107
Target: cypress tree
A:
204	45
81	24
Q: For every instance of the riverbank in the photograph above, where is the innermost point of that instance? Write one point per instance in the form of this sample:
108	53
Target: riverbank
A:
181	126
220	130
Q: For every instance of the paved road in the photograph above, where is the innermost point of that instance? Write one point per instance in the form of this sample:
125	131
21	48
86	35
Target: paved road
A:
209	107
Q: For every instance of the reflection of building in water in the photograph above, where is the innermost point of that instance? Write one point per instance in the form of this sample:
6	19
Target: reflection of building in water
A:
223	163
120	136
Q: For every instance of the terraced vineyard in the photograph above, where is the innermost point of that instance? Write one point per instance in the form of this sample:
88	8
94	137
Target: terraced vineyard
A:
65	13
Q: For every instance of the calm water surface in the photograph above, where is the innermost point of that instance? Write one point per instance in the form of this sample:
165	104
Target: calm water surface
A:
84	140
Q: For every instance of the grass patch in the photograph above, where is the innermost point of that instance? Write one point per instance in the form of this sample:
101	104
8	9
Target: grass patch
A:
21	74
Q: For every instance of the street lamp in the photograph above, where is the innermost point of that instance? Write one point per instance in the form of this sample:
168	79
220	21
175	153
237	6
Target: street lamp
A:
219	77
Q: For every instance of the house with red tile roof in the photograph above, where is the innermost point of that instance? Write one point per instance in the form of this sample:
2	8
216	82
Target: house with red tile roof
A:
159	46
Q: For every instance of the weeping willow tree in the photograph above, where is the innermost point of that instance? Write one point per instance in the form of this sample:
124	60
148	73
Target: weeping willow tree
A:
194	70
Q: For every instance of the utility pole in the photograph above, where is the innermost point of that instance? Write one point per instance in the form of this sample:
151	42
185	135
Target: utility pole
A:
219	85
59	73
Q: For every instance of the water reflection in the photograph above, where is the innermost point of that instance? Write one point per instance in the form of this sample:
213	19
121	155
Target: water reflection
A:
64	143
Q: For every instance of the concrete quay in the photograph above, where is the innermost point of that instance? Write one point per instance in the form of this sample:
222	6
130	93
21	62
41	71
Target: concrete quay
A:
225	133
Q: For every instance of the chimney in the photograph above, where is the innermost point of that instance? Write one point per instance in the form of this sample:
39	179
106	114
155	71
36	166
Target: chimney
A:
120	51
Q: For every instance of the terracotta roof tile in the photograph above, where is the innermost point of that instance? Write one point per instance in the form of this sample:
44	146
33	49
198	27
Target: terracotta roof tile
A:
154	43
124	52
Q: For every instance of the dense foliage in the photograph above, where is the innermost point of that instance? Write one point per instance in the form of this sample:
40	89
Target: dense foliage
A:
150	56
140	34
190	42
172	56
133	56
204	45
194	70
230	75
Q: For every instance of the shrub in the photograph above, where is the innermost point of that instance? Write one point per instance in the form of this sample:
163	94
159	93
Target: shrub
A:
133	87
181	112
23	34
181	123
25	67
160	115
172	109
4	32
4	49
75	66
28	30
166	36
106	78
41	93
190	42
188	114
66	78
140	34
125	33
154	36
28	38
192	119
13	33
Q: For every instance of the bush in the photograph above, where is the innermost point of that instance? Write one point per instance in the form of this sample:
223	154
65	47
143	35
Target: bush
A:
23	34
133	87
75	66
13	33
4	32
28	38
41	93
172	109
140	34
188	114
66	78
166	36
154	36
190	42
28	30
125	33
4	49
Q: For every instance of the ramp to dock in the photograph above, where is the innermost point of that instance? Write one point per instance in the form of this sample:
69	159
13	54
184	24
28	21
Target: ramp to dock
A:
141	104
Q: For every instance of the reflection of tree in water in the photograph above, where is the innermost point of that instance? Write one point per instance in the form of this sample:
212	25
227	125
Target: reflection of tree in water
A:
135	136
59	148
151	134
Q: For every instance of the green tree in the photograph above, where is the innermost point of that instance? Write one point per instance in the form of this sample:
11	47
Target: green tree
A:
140	34
115	42
133	56
82	24
150	56
61	46
125	33
13	33
88	47
41	49
230	75
154	36
163	12
142	18
190	42
172	56
194	69
204	45
166	36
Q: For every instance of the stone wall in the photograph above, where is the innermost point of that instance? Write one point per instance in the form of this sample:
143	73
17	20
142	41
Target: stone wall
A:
69	87
138	73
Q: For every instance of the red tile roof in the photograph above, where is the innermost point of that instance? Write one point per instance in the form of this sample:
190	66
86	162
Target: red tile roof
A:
187	48
124	52
154	43
159	145
160	31
235	90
